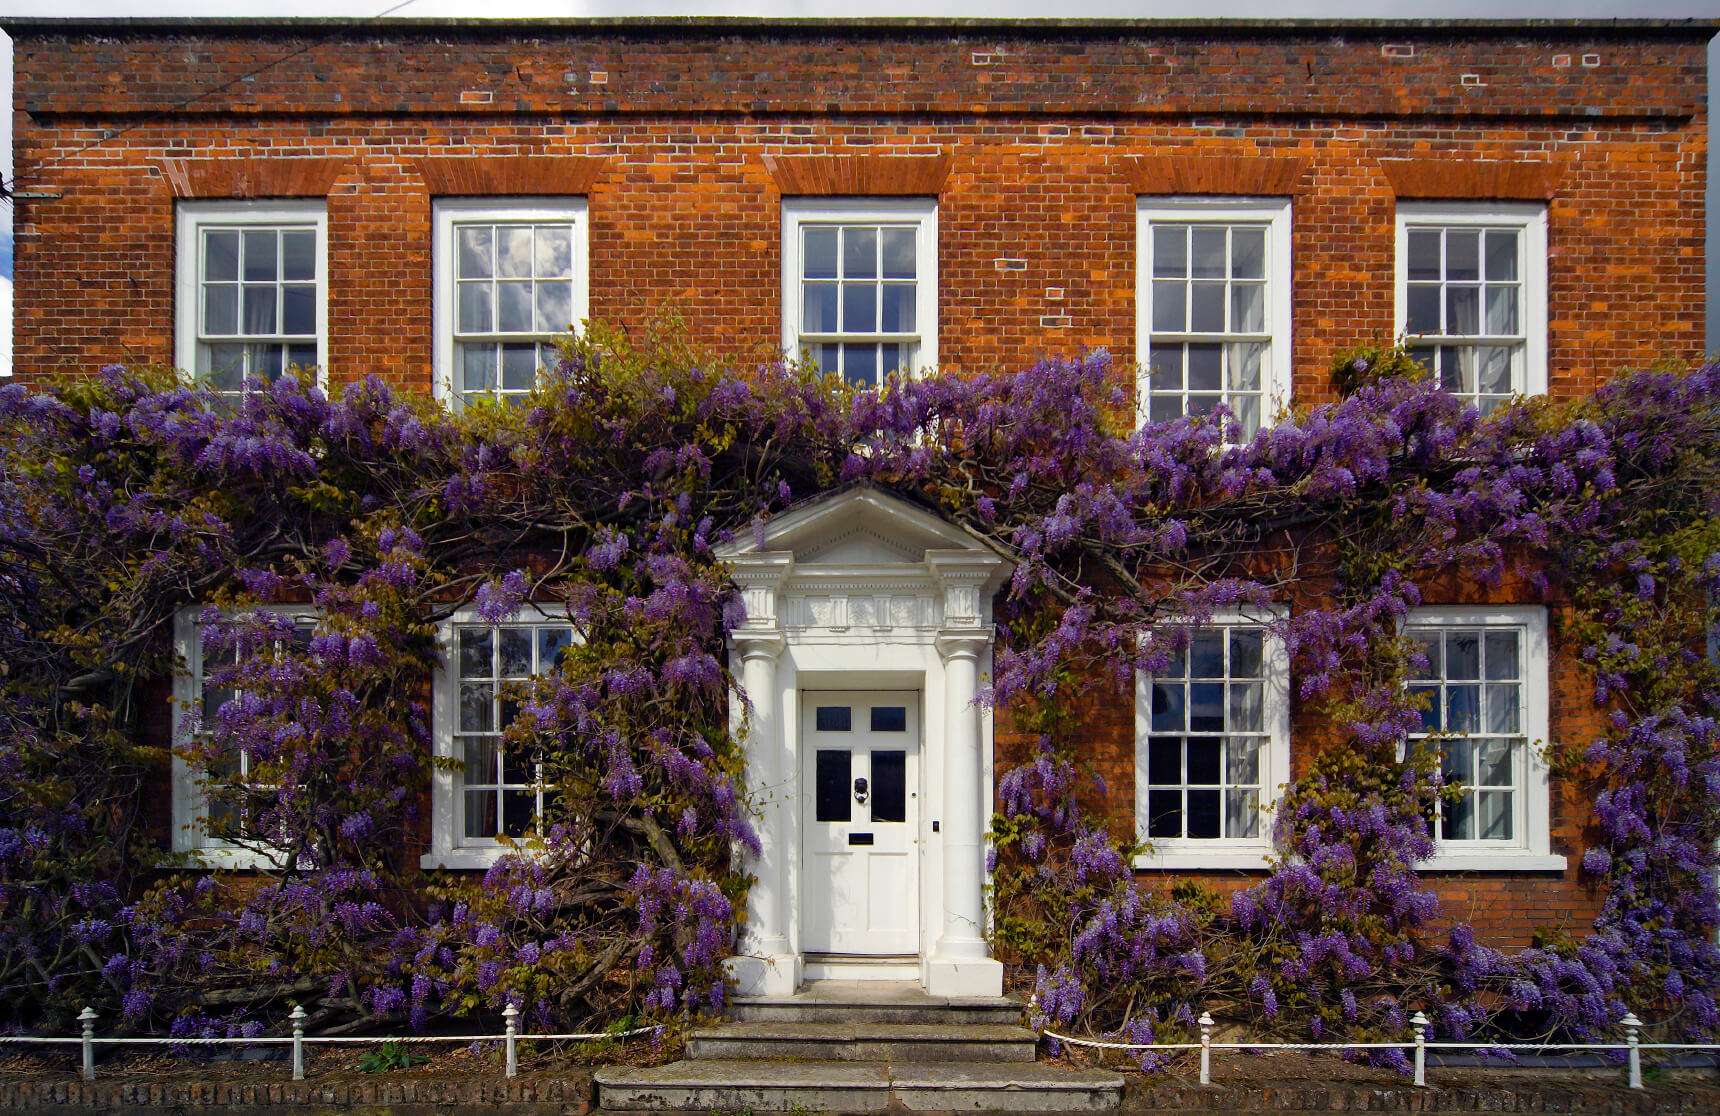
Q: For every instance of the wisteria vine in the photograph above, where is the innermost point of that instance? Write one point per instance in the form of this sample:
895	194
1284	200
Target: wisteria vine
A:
131	497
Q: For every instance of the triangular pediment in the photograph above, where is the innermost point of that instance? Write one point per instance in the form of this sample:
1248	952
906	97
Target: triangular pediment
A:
859	526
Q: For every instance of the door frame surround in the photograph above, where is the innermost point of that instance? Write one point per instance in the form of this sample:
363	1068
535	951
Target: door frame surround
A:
860	590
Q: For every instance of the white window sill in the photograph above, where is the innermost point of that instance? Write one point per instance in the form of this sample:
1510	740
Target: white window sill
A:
1219	857
219	858
481	859
1513	860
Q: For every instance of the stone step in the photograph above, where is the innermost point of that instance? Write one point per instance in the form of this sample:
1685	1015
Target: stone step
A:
866	1042
782	1086
859	1001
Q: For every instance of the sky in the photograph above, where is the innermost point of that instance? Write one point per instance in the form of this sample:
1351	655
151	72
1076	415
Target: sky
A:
833	9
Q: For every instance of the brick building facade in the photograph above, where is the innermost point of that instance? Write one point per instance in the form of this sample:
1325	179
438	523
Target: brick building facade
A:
1046	158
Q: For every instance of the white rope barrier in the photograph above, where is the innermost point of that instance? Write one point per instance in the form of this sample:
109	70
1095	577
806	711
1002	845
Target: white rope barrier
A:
1631	1046
510	1038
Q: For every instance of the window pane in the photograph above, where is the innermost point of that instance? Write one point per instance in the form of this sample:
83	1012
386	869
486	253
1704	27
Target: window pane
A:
221	308
1205	367
1203	760
1462	254
1427	699
475	646
1164	813
223	366
859	253
259	261
1248	308
898	248
819	312
1203	813
1493	371
477	707
898	308
1462	708
299	309
1501	311
1165	368
554	251
1206	707
818	255
1248	253
1504	708
1501	254
1246	409
860	364
1164	760
832	778
554	307
1241	814
519	809
1494	820
1424	254
476	243
889	786
1170	251
267	361
479	754
221	254
516	648
1206	308
552	644
1460	819
1170	312
475	308
259	319
1245	361
1501	648
1462	311
514	307
299	255
859	308
302	356
1463	655
889	718
514	251
1168	707
481	822
834	718
1494	766
1423	309
1164	408
519	366
1246	710
1245	652
1242	761
478	368
1457	762
1206	255
1206	654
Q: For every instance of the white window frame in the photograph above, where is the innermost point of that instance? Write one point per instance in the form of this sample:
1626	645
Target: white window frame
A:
191	217
447	214
1531	851
190	801
1225	852
449	847
1531	218
798	212
1275	213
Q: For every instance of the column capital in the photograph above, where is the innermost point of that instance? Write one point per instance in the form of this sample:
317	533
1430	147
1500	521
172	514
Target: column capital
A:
963	643
759	578
757	643
968	579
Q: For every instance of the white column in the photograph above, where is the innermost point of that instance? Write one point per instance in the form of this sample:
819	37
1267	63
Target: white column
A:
766	964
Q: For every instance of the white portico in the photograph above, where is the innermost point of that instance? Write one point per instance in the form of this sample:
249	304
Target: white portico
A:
868	633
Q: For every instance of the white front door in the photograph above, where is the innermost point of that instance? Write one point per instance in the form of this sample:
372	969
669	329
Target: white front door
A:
860	786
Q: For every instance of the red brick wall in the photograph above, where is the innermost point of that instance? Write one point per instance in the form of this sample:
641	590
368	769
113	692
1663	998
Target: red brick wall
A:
1041	138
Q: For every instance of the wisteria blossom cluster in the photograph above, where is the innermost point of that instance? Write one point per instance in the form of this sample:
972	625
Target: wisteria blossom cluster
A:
131	497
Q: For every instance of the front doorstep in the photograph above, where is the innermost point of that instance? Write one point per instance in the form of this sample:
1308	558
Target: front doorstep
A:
773	977
964	978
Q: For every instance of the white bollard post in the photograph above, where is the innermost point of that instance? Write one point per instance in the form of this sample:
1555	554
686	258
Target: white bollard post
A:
1630	1023
1206	1048
88	1018
298	1018
510	1014
1419	1021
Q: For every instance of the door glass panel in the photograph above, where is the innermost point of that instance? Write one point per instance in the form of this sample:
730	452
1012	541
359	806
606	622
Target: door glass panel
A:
835	718
889	786
834	768
889	718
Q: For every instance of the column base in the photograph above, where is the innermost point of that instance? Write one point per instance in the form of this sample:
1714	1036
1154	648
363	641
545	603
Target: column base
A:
774	976
964	977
